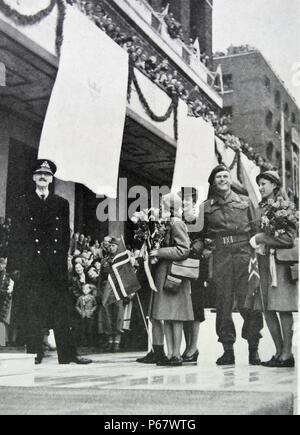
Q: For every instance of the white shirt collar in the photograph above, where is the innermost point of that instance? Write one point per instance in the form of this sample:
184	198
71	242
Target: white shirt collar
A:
39	194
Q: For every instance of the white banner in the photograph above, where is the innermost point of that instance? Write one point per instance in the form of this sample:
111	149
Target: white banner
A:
83	129
195	156
249	173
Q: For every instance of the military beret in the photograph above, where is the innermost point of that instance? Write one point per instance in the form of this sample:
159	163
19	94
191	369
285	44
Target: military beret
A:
45	166
272	176
215	171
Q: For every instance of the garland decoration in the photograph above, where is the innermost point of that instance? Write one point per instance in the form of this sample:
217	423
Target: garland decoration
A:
218	154
60	25
173	108
239	167
231	141
235	160
30	20
130	79
26	20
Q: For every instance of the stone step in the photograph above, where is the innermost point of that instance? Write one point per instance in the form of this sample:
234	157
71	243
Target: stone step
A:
16	369
42	401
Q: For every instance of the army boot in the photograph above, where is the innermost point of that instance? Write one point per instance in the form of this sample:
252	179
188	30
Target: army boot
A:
254	359
227	359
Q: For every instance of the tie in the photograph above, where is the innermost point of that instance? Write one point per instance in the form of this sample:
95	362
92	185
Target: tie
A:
43	197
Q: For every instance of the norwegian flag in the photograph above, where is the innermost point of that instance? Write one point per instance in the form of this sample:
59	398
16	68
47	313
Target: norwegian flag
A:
122	281
254	297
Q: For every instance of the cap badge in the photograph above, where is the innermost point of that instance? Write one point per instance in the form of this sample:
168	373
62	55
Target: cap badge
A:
46	165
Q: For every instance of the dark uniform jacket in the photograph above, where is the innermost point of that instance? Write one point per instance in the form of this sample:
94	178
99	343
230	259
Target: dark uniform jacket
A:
38	249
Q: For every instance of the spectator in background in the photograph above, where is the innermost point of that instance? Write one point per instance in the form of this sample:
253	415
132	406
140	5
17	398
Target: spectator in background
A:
86	306
74	243
96	250
2	237
105	247
77	281
80	243
92	275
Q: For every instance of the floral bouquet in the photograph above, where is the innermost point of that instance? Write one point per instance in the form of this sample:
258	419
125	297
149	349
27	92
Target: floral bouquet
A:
278	216
151	228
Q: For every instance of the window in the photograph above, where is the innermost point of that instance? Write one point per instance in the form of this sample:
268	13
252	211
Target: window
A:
293	118
286	109
268	84
228	82
269	151
277	99
269	119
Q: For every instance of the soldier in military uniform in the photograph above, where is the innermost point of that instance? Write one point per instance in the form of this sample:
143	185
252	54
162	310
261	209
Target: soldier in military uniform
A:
228	222
38	252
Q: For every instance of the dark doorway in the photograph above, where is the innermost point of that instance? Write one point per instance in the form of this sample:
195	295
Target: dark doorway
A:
19	178
86	222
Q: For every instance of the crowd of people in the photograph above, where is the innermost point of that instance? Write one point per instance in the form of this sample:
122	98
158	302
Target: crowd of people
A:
161	72
158	71
94	324
5	228
229	233
89	266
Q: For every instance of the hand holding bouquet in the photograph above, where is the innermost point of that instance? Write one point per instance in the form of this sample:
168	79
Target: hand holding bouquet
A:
278	216
151	229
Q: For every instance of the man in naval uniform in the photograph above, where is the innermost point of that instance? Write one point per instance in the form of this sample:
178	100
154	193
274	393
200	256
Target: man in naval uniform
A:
38	249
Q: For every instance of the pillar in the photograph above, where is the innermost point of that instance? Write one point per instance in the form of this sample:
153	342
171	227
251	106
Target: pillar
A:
201	24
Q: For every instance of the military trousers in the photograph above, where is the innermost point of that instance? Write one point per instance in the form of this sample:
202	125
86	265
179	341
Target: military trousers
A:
230	276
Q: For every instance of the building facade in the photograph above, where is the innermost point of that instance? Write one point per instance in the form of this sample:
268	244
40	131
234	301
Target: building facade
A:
149	148
261	109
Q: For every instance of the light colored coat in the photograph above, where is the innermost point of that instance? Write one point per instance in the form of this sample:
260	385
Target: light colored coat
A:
167	305
283	297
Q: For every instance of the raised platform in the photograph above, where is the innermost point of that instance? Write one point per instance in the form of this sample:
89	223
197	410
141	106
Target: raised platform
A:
16	369
115	384
38	401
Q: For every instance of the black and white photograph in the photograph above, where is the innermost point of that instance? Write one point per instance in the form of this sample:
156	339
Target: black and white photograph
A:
149	210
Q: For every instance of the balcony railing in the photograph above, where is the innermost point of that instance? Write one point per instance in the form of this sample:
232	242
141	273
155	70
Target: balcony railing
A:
157	23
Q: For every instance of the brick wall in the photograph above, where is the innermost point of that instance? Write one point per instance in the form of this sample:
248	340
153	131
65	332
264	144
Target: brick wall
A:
252	98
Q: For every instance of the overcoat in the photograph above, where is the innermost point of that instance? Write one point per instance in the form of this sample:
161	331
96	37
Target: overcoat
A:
38	249
166	305
284	296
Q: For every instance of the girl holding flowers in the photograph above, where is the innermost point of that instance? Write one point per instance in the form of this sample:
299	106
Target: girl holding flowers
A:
276	238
